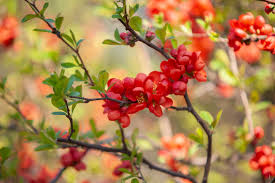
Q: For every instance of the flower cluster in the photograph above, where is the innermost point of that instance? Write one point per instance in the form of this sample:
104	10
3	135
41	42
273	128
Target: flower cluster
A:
175	148
73	158
247	28
177	11
126	164
8	31
128	38
258	134
28	164
269	8
151	91
263	160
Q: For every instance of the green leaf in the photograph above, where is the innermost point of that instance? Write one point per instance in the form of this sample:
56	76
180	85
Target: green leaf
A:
228	77
44	147
261	106
161	33
133	10
59	113
103	77
42	30
110	42
68	65
71	81
205	115
117	36
217	120
134	180
117	16
136	23
5	153
79	42
58	22
46	5
68	38
28	17
198	137
73	36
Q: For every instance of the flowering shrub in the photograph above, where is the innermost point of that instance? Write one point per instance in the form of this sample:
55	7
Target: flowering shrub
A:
193	41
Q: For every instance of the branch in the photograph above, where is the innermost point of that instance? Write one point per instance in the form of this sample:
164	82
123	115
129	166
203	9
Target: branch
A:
123	139
58	34
268	1
208	133
58	176
87	100
122	150
70	119
139	38
243	94
16	107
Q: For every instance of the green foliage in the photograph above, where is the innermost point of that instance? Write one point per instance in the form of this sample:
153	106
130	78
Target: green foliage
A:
100	81
28	17
198	136
5	153
136	23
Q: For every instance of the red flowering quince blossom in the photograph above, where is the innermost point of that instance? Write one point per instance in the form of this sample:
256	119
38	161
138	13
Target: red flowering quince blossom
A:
131	95
247	25
73	158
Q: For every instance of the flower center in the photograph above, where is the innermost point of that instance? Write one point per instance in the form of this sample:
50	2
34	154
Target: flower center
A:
140	98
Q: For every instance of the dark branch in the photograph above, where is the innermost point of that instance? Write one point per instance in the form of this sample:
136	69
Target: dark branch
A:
139	38
58	34
122	150
58	176
208	133
70	119
16	107
87	100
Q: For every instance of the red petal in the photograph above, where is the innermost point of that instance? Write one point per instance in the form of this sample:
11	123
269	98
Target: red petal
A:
134	108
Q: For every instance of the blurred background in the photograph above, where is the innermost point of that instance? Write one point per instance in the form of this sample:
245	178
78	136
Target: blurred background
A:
32	56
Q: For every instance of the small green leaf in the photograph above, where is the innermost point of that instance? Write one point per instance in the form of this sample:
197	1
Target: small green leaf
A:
44	147
136	23
59	113
5	153
42	30
68	38
28	17
58	22
46	5
134	180
161	33
79	42
73	36
216	121
133	10
206	116
68	65
110	42
117	16
117	36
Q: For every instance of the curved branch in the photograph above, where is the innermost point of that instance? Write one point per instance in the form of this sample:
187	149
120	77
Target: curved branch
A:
139	38
122	150
58	34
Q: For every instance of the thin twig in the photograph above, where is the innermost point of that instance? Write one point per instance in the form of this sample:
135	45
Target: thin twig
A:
16	107
59	174
208	133
59	35
121	150
243	95
70	119
87	100
139	38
